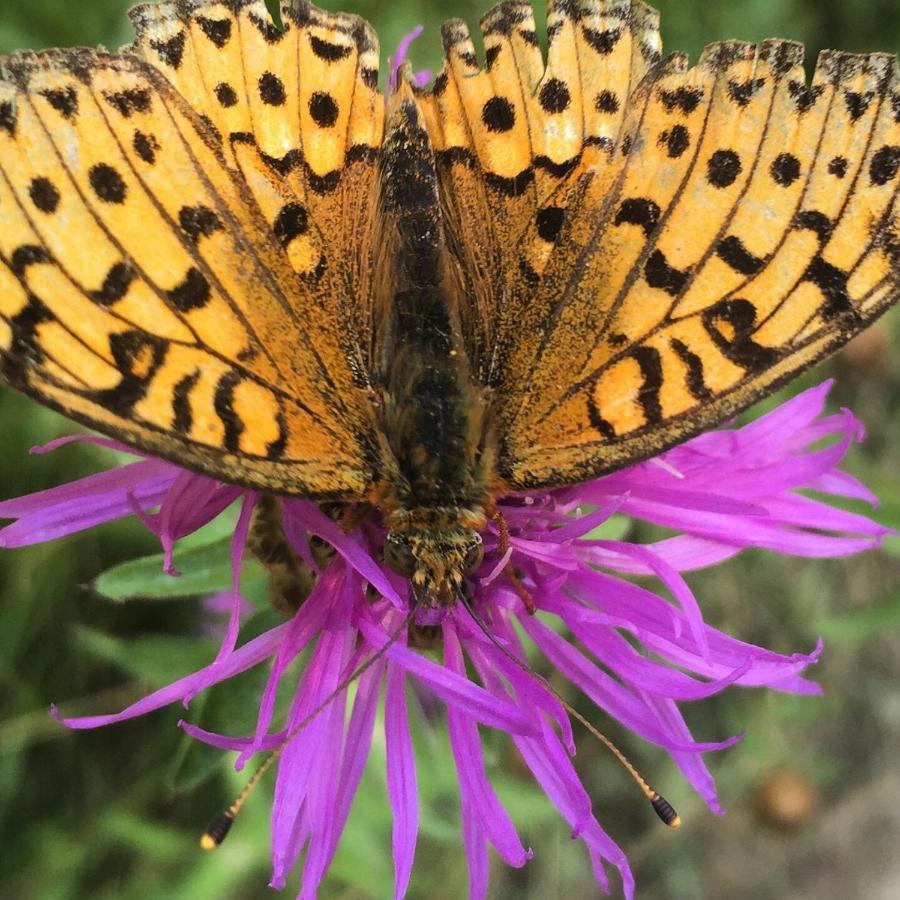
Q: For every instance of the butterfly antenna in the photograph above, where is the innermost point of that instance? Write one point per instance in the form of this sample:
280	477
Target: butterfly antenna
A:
661	806
221	825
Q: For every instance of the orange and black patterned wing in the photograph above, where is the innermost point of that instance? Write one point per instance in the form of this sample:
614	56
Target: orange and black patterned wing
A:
742	224
176	268
512	138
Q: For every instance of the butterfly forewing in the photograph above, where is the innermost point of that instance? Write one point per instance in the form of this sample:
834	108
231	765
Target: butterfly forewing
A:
512	138
174	269
730	226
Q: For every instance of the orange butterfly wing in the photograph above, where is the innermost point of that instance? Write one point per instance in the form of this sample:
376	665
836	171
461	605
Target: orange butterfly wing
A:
726	227
175	266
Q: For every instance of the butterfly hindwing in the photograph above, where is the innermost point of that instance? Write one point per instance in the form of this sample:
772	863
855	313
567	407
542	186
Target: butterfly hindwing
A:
156	282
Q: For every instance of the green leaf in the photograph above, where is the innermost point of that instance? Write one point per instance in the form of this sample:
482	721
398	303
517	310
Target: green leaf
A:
156	659
613	529
204	569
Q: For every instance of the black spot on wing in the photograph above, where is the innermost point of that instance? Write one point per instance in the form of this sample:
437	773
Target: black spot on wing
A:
8	117
606	102
129	101
638	211
137	355
146	146
650	363
63	100
267	28
603	42
198	222
684	99
171	52
815	221
226	94
498	114
804	97
554	96
107	183
275	449
223	403
731	250
695	380
884	165
659	274
324	109
838	166
557	169
596	419
440	84
549	222
44	194
115	285
785	169
832	282
723	168
28	255
24	325
193	292
731	324
217	30
676	140
271	90
183	417
510	187
742	91
857	103
327	51
291	221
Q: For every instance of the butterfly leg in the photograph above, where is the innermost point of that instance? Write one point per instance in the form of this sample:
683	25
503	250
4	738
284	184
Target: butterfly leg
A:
511	573
353	516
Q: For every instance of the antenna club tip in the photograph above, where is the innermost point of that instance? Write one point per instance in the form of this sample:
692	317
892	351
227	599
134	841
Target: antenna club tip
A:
217	831
208	842
665	810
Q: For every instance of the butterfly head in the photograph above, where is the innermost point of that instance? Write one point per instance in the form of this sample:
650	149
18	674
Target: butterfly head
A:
435	562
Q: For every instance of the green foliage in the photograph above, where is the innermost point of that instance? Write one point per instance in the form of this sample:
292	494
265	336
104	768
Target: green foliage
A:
116	813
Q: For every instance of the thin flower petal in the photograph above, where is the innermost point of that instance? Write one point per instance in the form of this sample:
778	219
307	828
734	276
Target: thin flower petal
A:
473	782
401	780
245	657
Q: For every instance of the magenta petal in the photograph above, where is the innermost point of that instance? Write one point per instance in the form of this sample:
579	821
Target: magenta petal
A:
312	746
245	657
349	546
453	689
475	845
224	742
48	515
238	543
473	781
357	743
306	623
401	780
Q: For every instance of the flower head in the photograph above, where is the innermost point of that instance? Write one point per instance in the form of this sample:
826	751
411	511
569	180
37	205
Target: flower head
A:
640	651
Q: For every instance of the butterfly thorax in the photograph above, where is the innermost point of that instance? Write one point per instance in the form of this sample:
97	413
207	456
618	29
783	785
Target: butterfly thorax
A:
436	442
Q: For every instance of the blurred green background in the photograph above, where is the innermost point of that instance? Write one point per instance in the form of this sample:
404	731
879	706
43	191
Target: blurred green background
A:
813	791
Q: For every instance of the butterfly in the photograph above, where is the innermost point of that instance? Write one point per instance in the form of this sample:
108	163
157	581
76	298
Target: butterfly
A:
223	245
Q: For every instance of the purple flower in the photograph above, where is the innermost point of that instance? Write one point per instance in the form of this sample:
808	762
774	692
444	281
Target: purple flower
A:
642	654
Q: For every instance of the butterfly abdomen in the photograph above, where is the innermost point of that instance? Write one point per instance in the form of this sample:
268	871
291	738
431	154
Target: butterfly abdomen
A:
432	412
